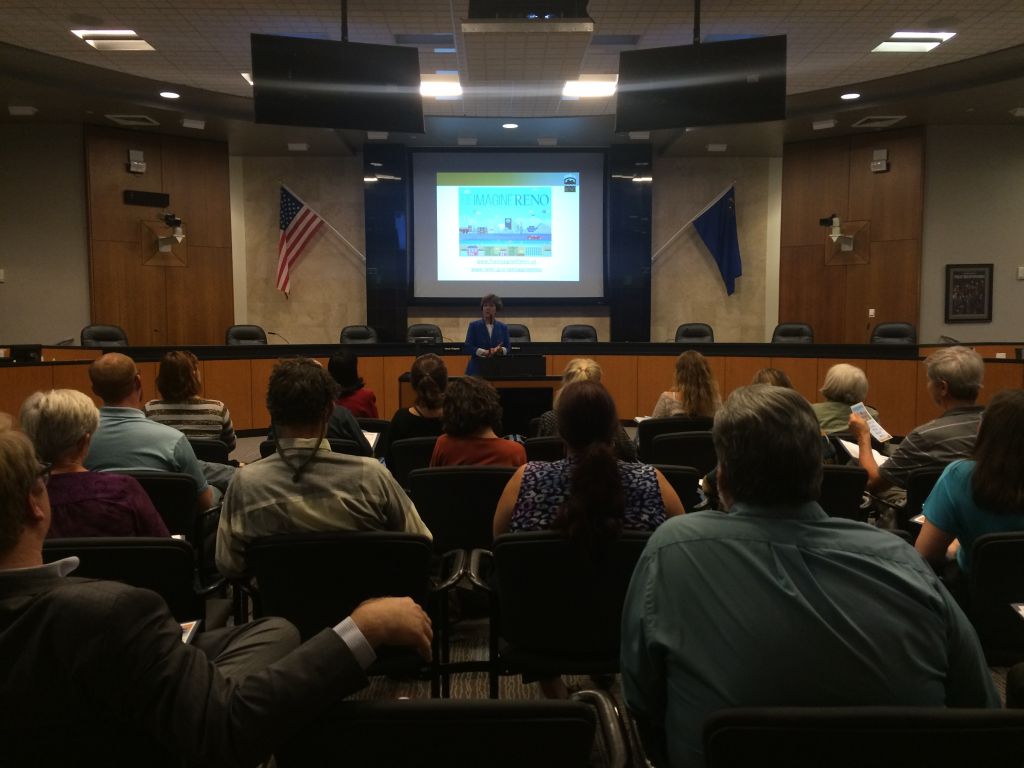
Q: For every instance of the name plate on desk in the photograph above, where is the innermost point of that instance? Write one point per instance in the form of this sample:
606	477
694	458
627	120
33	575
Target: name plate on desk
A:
512	366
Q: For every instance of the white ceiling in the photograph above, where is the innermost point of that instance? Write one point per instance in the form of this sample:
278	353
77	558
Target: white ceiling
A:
517	72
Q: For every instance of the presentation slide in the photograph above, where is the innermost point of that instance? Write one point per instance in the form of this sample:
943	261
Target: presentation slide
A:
524	225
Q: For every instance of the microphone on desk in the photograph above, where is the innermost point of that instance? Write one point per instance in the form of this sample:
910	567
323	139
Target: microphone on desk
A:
948	340
65	342
275	333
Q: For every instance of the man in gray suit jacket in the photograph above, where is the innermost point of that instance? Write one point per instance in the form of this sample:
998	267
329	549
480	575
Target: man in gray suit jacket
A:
95	672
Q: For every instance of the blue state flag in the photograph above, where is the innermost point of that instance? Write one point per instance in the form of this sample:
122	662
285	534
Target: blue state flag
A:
717	228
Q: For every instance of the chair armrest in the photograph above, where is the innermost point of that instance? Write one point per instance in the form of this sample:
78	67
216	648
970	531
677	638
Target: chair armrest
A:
481	563
205	590
453	568
613	731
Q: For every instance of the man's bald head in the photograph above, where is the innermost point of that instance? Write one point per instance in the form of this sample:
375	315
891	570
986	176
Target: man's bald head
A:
113	377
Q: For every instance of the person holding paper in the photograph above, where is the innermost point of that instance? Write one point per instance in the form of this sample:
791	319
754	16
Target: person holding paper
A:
844	386
486	337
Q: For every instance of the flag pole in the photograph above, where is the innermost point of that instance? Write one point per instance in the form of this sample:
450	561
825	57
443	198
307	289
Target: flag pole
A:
696	216
327	224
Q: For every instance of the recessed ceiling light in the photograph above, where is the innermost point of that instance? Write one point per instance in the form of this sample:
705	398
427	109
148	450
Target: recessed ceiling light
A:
194	124
905	47
298	146
590	87
717	147
440	85
170	95
824	125
369	179
940	36
247	77
510	125
1017	112
850	96
25	111
376	164
643	179
84	34
120	45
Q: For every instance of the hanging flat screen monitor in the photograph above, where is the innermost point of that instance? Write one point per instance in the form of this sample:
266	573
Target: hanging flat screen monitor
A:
331	84
736	81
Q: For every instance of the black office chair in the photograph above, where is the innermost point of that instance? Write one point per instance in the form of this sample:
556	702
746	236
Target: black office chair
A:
104	336
550	448
247	335
427	333
919	485
379	427
695	333
894	333
164	565
408	454
358	334
793	333
579	333
685	449
842	492
995	581
855	737
206	449
338	445
648	429
518	333
174	496
684	481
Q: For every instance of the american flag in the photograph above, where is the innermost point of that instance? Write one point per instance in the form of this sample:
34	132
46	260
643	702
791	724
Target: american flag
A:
299	223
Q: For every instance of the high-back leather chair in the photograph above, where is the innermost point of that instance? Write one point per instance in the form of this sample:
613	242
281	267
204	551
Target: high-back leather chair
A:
408	454
245	335
579	332
648	429
996	580
842	492
695	333
358	334
894	333
425	332
104	336
518	333
684	449
793	333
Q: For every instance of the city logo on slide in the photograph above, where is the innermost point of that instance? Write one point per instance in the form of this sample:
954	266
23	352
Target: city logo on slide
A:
505	221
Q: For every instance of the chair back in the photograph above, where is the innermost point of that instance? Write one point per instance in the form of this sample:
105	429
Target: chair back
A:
579	332
448	732
842	492
685	449
316	579
518	333
457	503
695	333
358	334
379	427
104	336
245	335
894	333
206	449
408	454
423	332
793	333
164	565
551	448
919	485
684	481
560	602
174	496
648	429
855	737
995	581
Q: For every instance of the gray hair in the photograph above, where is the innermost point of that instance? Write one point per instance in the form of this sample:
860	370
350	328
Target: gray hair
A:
56	420
845	383
769	446
961	368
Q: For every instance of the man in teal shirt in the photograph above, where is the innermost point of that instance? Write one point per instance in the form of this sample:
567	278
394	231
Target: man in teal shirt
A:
777	604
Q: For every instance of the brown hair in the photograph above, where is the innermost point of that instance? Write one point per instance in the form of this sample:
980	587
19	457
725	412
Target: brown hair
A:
429	378
470	404
998	479
772	376
299	392
18	472
696	386
494	299
178	377
113	376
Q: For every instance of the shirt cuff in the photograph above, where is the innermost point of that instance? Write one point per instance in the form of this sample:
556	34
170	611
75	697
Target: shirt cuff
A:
481	352
356	642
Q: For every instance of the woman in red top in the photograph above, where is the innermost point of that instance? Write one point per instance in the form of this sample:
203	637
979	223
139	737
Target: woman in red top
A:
472	420
344	367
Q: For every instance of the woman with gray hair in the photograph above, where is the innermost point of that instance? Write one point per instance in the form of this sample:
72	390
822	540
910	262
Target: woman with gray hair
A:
61	424
844	385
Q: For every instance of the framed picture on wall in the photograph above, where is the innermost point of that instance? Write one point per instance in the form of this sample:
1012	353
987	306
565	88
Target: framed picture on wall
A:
968	293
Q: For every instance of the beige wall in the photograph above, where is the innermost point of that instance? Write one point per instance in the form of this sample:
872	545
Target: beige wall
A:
686	285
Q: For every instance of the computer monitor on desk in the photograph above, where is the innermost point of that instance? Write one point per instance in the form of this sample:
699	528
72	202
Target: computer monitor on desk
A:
514	366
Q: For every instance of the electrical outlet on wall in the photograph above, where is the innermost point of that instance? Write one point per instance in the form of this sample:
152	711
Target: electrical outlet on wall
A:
1020	273
871	313
2	276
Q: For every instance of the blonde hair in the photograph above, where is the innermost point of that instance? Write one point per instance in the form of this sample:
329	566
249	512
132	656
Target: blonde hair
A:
578	369
56	420
18	472
698	392
845	383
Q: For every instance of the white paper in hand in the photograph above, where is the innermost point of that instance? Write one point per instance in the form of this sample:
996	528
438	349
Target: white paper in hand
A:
876	429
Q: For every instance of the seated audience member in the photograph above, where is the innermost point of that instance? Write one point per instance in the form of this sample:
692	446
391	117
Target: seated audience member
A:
354	394
429	379
180	405
777	604
61	424
583	369
773	376
844	386
472	420
982	495
954	381
126	440
695	393
93	672
304	486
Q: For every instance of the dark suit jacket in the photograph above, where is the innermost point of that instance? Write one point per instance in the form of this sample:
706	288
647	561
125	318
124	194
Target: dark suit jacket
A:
95	673
478	338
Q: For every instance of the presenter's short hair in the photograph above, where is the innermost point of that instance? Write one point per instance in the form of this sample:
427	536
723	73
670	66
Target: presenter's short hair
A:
961	368
56	420
299	392
492	298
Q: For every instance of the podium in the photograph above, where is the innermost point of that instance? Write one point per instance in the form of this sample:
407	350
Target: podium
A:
512	366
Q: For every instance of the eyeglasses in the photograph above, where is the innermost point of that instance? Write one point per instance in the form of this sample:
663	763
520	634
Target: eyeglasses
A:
44	471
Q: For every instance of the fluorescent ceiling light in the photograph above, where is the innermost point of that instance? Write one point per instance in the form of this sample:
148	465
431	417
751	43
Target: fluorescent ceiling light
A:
377	135
940	36
1016	111
444	50
717	147
247	77
639	135
26	111
84	34
590	87
369	179
169	95
297	146
440	85
891	47
194	124
850	96
824	125
510	126
643	179
120	45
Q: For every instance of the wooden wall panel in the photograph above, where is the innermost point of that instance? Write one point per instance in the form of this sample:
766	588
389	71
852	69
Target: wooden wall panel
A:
654	375
200	299
148	371
815	184
802	372
74	377
371	370
107	176
619	376
926	409
260	371
890	285
893	390
811	292
393	367
892	200
19	383
230	381
195	175
126	293
68	354
1000	376
739	371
